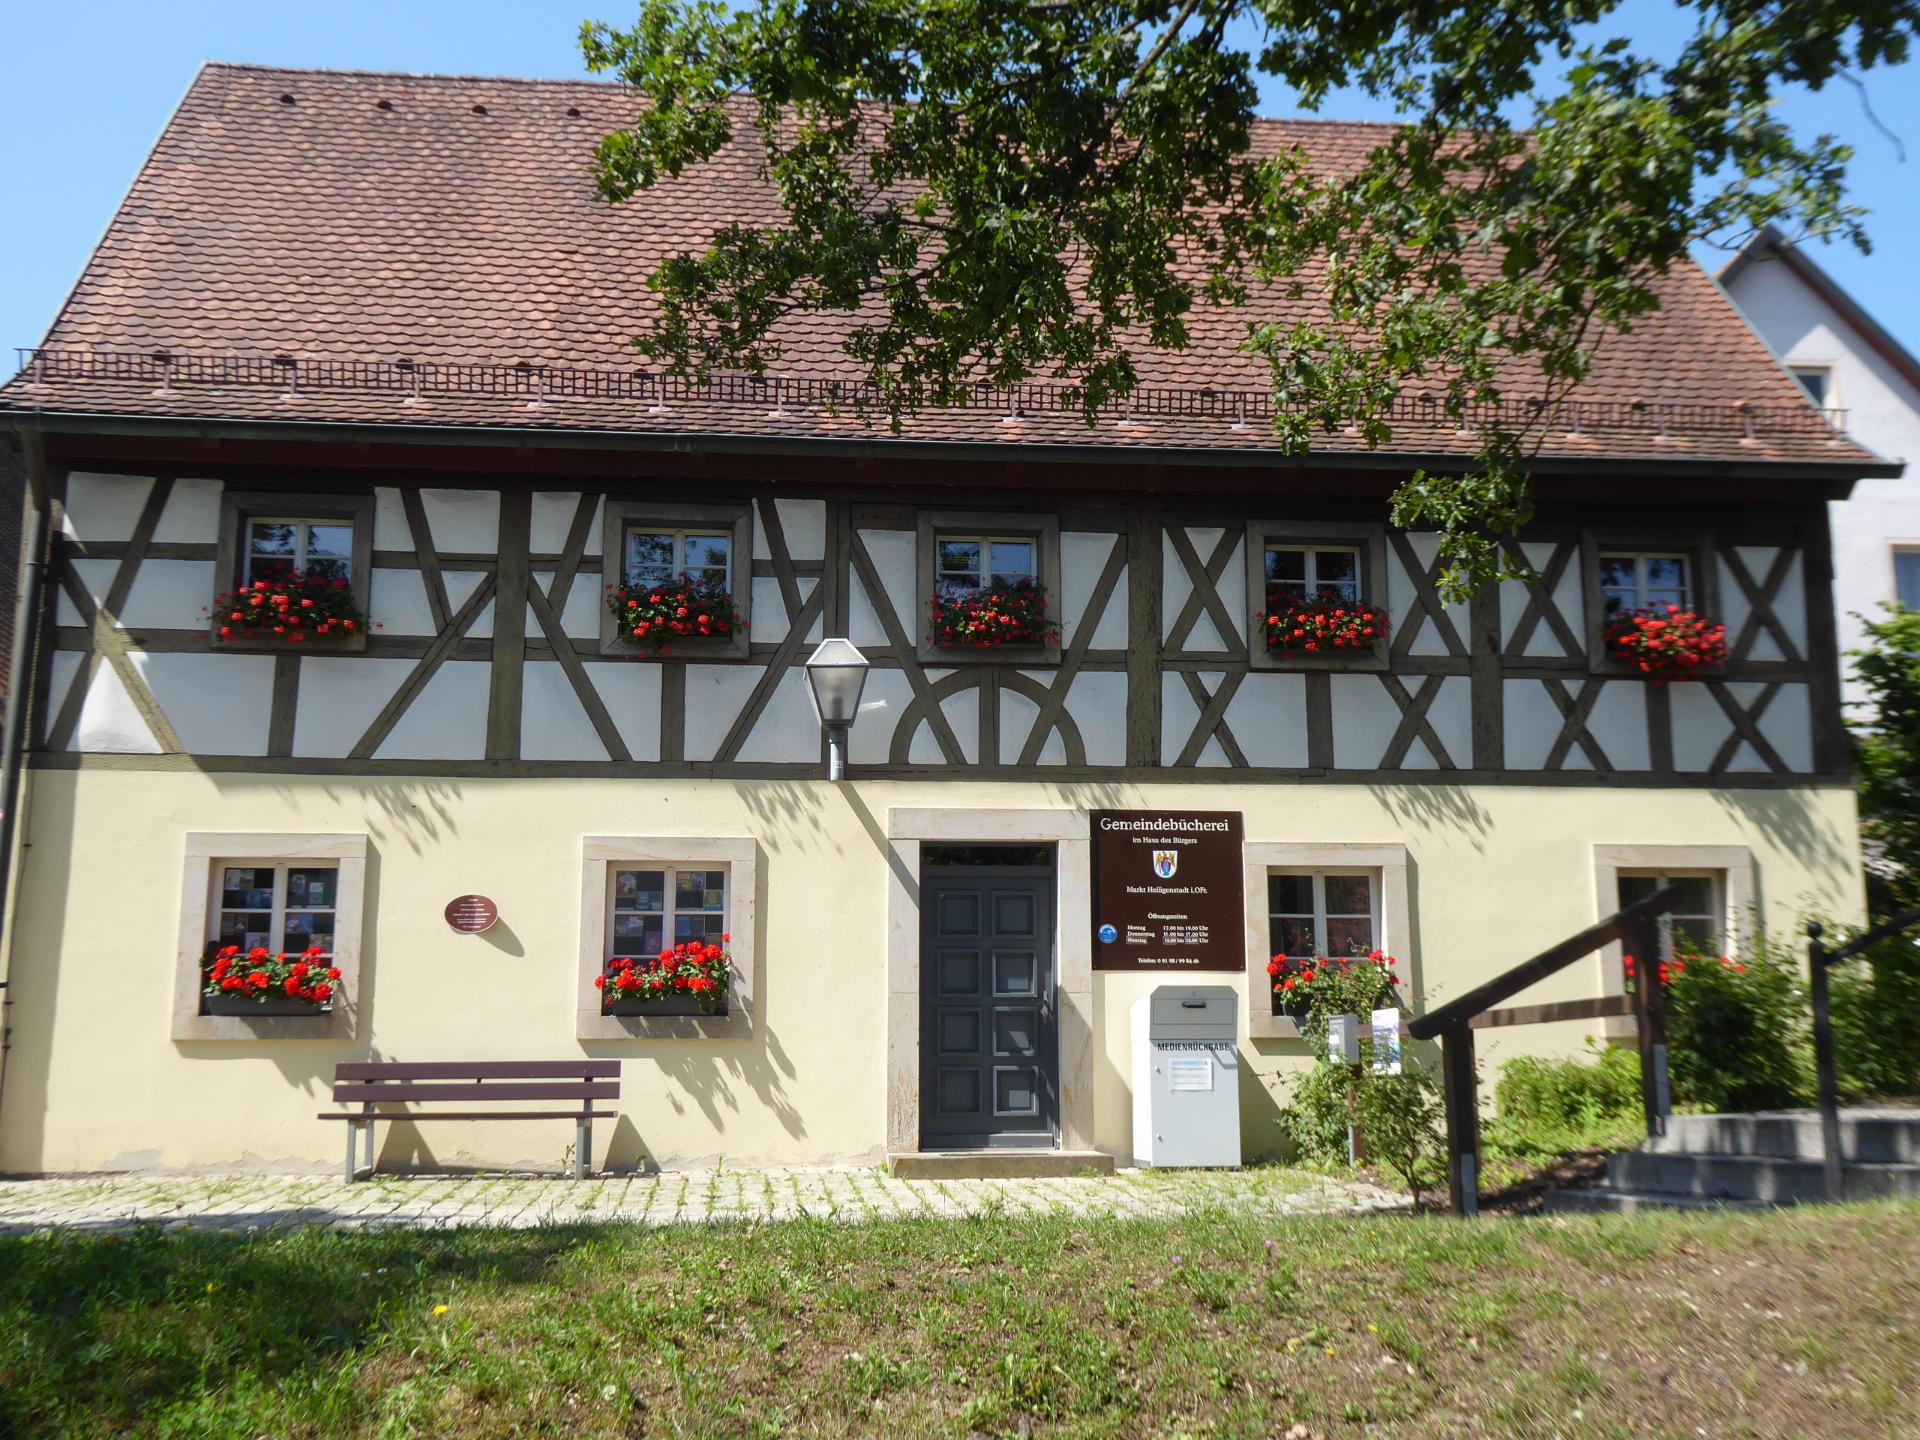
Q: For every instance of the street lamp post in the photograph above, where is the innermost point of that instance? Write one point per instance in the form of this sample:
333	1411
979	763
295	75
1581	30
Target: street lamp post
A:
836	674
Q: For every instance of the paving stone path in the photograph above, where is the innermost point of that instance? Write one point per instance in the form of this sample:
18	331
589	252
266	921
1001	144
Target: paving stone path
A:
259	1202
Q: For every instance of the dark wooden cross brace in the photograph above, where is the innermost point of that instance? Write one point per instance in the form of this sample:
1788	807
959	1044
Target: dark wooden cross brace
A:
1574	712
1205	592
1426	607
1413	722
1541	605
1211	723
1762	615
1746	727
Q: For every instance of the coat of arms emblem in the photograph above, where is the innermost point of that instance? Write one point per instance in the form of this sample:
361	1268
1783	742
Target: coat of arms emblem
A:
1165	862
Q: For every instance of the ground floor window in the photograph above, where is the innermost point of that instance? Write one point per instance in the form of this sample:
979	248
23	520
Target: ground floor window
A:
652	910
275	907
1700	913
1322	912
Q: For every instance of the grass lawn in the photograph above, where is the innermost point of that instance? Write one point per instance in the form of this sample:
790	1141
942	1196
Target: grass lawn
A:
1803	1323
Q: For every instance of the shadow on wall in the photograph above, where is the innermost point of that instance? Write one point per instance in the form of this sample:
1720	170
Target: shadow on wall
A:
416	813
1786	820
1438	807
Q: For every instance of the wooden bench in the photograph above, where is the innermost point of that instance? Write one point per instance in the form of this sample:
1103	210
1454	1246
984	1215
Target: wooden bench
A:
368	1084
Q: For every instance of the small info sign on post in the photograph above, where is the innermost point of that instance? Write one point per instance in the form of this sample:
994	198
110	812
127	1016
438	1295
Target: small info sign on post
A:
1167	890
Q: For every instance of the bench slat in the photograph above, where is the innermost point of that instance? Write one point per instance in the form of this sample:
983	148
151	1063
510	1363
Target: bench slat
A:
477	1070
477	1115
410	1092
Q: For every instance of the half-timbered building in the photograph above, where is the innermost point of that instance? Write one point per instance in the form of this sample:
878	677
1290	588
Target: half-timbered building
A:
371	331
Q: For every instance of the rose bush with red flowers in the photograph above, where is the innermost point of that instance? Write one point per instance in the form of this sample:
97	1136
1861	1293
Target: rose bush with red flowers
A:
289	612
696	971
1342	985
1666	644
1325	625
260	974
1001	614
687	607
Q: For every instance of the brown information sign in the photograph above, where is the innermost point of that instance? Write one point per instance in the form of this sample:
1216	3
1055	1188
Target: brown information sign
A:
1167	890
472	914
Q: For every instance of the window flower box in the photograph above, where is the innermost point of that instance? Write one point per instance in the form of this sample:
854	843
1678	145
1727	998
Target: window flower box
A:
1004	613
1666	643
294	611
1325	625
260	982
689	979
1343	985
688	607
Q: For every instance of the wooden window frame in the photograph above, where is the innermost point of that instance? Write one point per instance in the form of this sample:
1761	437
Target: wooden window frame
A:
1042	530
277	940
238	507
1739	900
1367	538
1696	546
601	855
1393	927
205	850
732	516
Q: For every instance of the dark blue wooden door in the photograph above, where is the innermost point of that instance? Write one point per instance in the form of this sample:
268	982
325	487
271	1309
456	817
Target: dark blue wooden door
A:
989	1061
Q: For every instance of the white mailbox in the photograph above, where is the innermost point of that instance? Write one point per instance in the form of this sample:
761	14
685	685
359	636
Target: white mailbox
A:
1186	1076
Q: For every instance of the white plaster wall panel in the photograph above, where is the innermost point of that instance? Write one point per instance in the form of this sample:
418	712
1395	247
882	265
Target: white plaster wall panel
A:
882	703
103	507
1566	596
1618	721
447	720
1364	719
108	720
1177	715
630	689
1213	755
192	516
1451	716
460	587
397	603
1788	726
1177	585
1789	604
463	521
1530	722
339	697
768	621
553	725
96	578
552	521
786	729
963	716
804	523
217	703
1017	717
1268	717
1699	726
390	529
1401	595
715	694
1098	704
1083	556
580	614
892	552
169	595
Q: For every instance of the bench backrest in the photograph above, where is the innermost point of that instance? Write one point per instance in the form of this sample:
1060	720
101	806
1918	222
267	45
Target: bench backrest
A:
356	1082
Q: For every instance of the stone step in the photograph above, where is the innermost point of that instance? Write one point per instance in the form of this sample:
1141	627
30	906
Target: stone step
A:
1765	1178
1605	1200
1006	1164
1873	1135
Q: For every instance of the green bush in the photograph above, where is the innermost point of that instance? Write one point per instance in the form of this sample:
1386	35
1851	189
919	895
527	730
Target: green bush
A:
1541	1094
1736	1030
1400	1116
1876	1021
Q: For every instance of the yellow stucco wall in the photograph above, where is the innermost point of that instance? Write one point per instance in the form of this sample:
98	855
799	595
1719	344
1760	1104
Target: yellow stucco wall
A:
96	1082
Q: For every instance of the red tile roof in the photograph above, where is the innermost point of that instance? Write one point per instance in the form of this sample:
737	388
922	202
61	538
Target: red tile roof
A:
405	250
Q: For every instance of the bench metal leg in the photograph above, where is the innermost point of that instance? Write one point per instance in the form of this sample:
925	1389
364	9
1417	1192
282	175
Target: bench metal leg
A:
354	1128
582	1147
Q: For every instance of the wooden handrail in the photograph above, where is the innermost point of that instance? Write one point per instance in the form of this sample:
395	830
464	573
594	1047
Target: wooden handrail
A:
1531	972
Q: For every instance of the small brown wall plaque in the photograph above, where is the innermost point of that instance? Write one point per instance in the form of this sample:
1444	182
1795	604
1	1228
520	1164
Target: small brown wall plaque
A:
472	914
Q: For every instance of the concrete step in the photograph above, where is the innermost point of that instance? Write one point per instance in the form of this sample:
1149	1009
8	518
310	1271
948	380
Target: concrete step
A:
1007	1164
1874	1135
1605	1200
1765	1178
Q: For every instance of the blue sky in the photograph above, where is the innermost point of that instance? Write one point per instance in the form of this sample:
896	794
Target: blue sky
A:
89	87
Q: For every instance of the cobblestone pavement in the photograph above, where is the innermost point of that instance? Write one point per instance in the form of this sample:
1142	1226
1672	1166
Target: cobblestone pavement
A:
258	1202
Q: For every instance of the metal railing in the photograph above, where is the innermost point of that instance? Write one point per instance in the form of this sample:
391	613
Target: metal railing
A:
1645	923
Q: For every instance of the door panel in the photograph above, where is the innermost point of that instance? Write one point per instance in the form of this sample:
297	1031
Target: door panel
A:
989	1054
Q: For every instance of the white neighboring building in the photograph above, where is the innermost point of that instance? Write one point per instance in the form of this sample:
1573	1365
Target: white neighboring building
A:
1852	367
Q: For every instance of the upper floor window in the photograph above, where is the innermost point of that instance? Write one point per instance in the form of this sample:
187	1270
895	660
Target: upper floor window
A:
1817	381
654	557
1906	578
1296	572
964	564
279	548
1645	580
